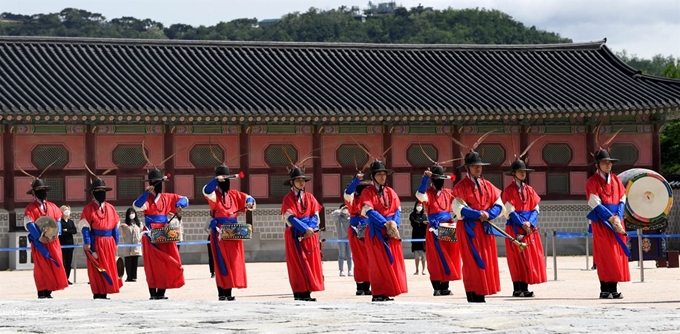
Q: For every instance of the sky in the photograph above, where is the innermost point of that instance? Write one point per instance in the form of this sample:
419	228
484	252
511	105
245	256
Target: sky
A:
641	27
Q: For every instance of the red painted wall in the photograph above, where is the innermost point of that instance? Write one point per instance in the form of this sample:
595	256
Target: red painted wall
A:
331	143
107	143
228	143
258	144
403	142
25	143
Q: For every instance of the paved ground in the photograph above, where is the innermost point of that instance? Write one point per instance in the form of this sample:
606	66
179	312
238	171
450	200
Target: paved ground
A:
569	304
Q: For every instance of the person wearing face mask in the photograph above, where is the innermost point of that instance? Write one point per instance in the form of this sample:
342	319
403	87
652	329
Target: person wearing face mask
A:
344	253
443	259
226	205
521	204
68	230
162	264
48	271
99	225
357	244
477	201
131	233
607	197
419	223
300	211
382	207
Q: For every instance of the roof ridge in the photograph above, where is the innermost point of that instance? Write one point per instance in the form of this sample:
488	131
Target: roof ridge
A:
130	41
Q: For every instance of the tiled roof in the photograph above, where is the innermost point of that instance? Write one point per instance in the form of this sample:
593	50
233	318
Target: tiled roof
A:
75	76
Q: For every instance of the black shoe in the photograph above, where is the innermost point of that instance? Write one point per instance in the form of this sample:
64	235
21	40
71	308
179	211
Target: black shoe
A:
212	275
231	298
69	283
360	292
382	299
222	298
437	293
527	294
445	292
617	295
296	295
470	296
48	294
41	294
606	295
133	280
517	293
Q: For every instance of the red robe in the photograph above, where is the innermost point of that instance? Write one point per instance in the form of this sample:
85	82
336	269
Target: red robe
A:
437	204
231	251
484	281
104	246
356	245
387	279
304	264
527	266
162	264
46	274
611	260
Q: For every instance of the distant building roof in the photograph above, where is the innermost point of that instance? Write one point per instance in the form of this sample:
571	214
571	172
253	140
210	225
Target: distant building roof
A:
83	76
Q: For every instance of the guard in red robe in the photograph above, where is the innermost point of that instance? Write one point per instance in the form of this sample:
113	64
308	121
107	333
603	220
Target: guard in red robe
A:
521	205
382	207
444	263
162	264
99	225
607	197
300	211
48	265
477	201
356	243
225	206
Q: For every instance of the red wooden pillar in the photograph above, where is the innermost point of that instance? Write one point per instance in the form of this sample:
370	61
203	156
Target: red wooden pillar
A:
90	158
168	150
244	166
318	175
656	148
590	143
8	175
456	151
523	143
386	143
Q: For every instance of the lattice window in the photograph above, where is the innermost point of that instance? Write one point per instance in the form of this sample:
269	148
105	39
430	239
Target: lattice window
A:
129	156
274	156
346	155
415	156
346	180
276	187
557	154
130	187
199	183
557	183
200	155
416	179
628	154
496	179
57	192
43	155
492	153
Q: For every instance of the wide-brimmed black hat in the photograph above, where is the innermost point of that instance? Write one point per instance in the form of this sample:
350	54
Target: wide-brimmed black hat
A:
38	183
473	159
98	184
518	165
438	173
296	173
156	175
378	166
603	155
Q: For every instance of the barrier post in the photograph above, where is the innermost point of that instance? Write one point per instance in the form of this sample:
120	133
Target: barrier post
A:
587	252
554	252
75	266
545	251
640	255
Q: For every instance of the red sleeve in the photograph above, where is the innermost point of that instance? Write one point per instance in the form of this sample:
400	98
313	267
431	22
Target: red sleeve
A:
591	187
174	198
286	204
366	198
240	198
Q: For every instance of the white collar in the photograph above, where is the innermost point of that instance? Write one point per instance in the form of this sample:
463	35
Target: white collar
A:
473	179
519	183
606	178
296	191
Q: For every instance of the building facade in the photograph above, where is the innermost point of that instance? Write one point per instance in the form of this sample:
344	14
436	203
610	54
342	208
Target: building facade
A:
73	102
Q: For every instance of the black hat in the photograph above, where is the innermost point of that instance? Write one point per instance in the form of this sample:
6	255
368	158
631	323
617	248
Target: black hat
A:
438	173
156	175
221	170
296	173
99	184
518	165
473	159
378	166
603	155
38	183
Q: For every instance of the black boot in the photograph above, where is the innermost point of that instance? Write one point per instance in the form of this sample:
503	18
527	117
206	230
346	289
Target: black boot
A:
221	295
41	294
48	294
307	296
296	295
360	289
436	285
445	288
95	296
103	296
516	289
152	293
382	298
367	288
470	296
478	298
604	290
161	294
613	290
227	293
525	290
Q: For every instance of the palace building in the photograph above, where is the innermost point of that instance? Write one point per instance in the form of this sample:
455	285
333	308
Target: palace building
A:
76	101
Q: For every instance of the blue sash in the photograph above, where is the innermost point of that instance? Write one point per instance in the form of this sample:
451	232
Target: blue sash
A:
614	208
434	220
215	241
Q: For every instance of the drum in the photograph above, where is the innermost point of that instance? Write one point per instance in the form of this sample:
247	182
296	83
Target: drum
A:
165	234
392	230
361	230
649	199
236	231
447	233
48	227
